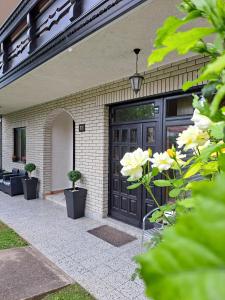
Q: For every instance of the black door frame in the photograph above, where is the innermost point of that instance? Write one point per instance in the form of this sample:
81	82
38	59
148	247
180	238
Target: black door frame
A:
165	121
158	119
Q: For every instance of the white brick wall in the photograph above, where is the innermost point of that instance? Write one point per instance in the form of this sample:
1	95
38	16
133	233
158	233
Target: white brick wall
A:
88	107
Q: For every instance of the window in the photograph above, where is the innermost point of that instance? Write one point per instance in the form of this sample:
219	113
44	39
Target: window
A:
19	144
179	106
135	113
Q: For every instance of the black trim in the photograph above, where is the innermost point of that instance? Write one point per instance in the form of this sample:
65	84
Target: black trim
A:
74	142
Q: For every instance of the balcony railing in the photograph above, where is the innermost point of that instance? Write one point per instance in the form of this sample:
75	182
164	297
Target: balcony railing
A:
39	29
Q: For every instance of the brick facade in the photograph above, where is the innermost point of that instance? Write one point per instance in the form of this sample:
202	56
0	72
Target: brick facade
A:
89	107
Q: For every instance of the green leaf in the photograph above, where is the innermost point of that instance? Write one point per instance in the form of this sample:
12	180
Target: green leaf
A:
211	71
178	182
172	43
162	182
174	193
186	203
221	161
206	153
189	262
134	186
170	26
216	130
193	170
209	168
155	172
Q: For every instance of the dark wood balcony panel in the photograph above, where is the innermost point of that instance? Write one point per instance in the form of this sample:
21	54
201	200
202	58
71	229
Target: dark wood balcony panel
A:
53	21
1	64
18	50
50	29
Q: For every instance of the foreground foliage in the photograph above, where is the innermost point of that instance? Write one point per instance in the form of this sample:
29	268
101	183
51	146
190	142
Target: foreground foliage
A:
188	260
9	238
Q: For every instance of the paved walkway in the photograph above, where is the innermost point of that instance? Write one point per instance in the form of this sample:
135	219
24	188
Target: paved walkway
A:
25	273
102	269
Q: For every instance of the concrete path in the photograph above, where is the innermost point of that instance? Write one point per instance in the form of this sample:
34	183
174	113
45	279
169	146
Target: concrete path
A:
25	273
102	269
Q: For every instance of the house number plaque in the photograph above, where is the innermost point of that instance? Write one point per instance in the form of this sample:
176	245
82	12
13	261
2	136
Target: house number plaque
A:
81	127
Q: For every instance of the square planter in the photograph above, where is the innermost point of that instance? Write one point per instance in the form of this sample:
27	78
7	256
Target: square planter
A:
75	202
30	188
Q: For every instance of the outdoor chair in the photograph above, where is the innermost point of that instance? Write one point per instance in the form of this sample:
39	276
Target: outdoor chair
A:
12	183
3	173
149	229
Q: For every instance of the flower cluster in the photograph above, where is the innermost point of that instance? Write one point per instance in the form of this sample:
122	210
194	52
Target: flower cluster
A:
133	163
194	137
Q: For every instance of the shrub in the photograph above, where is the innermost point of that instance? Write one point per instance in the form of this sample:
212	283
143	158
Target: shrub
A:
30	168
74	176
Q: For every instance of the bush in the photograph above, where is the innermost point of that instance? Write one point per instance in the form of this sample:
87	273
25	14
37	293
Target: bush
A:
30	168
74	176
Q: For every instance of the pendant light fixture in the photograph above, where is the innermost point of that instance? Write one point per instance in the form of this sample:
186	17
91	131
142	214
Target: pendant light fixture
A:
136	80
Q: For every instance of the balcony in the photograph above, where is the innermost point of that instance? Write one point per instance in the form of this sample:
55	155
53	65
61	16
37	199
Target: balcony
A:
38	30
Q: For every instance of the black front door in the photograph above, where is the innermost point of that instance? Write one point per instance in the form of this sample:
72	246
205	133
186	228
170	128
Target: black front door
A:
132	126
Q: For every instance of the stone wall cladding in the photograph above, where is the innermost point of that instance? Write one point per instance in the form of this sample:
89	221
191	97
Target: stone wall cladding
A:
92	146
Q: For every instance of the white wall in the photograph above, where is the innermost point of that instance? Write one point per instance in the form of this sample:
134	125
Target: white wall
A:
62	151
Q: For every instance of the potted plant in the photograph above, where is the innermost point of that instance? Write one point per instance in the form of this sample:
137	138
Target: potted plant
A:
75	197
30	183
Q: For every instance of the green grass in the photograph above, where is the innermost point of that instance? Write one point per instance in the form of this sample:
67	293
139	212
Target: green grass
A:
71	292
9	238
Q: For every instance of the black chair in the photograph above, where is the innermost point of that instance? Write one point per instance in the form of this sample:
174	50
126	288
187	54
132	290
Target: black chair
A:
3	173
12	184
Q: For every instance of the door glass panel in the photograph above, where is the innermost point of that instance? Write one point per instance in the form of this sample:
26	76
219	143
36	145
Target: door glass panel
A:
150	135
135	113
172	133
133	135
124	135
179	107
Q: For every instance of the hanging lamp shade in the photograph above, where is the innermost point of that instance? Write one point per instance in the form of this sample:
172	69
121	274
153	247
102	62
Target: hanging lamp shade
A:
136	80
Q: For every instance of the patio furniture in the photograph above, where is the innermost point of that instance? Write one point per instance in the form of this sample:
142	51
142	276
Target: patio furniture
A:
148	228
152	228
14	171
12	183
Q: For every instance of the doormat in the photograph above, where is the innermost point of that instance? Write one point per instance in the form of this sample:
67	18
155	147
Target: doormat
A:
112	235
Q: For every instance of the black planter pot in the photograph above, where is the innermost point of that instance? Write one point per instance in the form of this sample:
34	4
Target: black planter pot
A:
75	202
30	188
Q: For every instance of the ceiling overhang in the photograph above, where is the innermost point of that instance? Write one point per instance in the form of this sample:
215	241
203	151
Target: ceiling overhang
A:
102	57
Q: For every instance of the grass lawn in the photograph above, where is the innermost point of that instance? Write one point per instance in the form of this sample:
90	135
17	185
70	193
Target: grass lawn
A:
71	292
9	238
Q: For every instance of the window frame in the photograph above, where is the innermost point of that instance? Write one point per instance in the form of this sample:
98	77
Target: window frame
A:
19	155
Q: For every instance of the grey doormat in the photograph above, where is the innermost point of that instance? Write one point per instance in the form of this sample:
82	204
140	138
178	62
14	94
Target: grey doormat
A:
112	235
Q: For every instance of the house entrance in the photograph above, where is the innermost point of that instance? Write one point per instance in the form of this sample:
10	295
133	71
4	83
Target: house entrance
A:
151	124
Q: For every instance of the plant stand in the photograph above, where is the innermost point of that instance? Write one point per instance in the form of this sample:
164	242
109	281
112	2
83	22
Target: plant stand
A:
30	188
75	202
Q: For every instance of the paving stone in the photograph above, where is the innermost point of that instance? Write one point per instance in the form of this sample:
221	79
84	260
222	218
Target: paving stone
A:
102	269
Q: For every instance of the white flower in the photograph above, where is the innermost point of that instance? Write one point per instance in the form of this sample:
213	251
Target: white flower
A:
132	163
201	121
192	137
162	161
